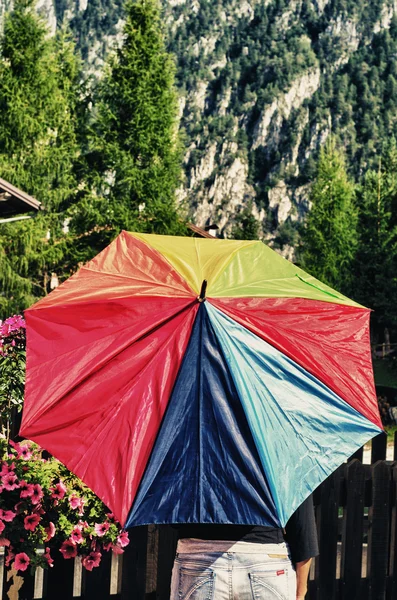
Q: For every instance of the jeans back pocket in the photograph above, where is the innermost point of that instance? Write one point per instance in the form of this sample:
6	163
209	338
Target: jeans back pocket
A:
269	584
196	583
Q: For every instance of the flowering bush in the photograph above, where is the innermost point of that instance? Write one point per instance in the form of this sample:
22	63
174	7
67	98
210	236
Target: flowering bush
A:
12	368
46	511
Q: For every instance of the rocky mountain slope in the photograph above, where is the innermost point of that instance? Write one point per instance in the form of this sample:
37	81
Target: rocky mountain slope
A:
262	85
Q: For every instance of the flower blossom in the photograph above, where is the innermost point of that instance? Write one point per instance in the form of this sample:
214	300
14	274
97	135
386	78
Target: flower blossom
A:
37	493
26	453
4	542
101	528
59	491
31	521
92	560
76	502
2	527
123	540
10	556
21	562
50	531
47	557
7	515
6	468
68	549
10	482
26	489
76	535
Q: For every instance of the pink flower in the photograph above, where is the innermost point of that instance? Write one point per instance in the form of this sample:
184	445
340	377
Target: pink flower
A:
47	557
26	453
101	528
116	549
7	515
50	531
110	516
68	549
10	482
83	524
26	489
123	540
59	491
6	468
37	493
2	526
76	536
16	446
21	562
107	546
92	560
4	542
10	556
19	507
31	521
76	502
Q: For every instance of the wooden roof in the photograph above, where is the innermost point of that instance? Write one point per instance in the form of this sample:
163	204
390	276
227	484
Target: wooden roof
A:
14	201
199	231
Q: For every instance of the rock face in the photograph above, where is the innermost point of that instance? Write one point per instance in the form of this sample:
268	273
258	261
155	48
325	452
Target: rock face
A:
272	118
252	75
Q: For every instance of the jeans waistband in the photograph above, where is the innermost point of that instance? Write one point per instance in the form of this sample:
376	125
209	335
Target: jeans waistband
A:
194	546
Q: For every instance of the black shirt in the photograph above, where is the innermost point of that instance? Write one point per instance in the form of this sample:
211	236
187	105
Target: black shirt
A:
300	533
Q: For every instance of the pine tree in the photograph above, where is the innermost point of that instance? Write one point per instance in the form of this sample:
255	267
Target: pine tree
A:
376	261
246	227
136	153
38	149
329	238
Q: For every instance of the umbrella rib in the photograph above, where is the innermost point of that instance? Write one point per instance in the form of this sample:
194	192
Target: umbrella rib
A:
200	465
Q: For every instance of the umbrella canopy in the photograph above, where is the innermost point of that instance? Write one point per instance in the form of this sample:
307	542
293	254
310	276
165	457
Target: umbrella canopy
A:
198	381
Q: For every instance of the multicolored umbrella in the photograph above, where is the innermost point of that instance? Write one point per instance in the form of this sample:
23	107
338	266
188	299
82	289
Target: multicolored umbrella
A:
194	380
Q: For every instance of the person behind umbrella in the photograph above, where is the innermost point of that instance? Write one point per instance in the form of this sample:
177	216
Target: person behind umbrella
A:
241	562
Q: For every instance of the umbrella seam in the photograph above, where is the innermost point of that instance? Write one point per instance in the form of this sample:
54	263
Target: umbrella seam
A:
231	257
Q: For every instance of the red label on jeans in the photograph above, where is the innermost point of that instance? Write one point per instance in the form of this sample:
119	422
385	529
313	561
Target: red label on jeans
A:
280	572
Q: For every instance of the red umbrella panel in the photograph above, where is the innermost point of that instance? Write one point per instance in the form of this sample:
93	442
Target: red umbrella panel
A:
178	401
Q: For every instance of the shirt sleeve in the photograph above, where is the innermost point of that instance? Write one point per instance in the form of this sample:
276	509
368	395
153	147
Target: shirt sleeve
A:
301	532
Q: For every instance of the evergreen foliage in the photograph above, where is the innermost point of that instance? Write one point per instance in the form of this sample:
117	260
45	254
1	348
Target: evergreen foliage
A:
135	154
376	260
246	226
124	177
329	239
38	147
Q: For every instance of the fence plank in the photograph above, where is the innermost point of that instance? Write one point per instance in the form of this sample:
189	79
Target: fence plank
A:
168	539
133	573
58	580
13	581
392	591
378	531
327	514
96	583
359	454
352	532
151	561
379	448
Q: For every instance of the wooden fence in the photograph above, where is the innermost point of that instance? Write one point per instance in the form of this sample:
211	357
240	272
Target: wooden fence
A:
356	513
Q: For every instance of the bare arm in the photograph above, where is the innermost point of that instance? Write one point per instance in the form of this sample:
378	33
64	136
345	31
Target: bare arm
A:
302	576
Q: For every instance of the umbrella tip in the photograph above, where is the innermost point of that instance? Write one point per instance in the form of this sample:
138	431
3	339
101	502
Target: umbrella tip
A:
201	297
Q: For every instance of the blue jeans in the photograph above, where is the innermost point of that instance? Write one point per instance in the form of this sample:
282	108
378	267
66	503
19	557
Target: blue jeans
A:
219	570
